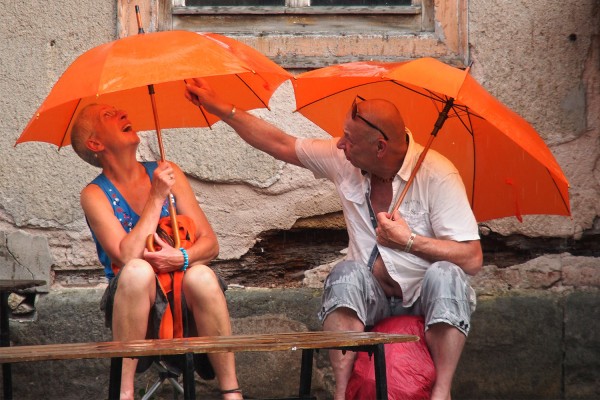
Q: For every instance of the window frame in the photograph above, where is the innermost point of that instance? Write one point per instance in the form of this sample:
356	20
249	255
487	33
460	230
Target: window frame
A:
437	29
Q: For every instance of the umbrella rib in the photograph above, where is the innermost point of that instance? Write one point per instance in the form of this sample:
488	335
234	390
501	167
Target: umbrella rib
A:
253	92
558	189
64	136
468	126
335	94
473	145
432	95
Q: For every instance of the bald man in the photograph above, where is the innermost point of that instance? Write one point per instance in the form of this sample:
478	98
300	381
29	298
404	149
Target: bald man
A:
415	262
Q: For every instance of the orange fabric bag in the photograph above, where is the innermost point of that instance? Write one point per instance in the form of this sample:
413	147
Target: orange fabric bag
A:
171	324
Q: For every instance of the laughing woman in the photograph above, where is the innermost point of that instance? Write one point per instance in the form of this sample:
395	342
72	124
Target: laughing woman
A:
123	206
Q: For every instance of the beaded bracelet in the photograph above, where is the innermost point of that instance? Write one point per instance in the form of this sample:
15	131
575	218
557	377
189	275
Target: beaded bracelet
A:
186	259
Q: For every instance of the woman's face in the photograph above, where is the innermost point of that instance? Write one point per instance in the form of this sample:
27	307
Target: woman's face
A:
114	127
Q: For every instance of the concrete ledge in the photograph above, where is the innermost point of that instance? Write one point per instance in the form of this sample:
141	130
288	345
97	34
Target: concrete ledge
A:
524	345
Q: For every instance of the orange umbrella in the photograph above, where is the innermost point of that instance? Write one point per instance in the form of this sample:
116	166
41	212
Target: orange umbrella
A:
118	73
506	167
145	75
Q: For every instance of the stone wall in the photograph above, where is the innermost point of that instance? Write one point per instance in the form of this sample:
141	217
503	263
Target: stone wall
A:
539	57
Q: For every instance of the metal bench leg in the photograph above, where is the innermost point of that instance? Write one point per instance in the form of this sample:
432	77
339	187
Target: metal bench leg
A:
114	385
306	374
189	385
380	377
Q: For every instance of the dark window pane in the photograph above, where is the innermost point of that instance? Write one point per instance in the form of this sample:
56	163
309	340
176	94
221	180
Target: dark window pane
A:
233	3
360	2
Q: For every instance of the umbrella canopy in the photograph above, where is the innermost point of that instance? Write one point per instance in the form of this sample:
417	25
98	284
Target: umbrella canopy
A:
118	73
145	75
506	167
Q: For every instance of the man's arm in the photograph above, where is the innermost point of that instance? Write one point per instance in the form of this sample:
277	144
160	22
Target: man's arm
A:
395	233
255	131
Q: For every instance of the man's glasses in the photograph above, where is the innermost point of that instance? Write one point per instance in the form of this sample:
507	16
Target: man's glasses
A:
356	114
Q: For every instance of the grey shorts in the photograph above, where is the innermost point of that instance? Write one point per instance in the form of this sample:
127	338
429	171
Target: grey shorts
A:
446	296
156	312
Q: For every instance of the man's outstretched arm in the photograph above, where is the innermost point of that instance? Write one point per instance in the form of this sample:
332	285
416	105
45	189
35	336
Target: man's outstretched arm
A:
257	132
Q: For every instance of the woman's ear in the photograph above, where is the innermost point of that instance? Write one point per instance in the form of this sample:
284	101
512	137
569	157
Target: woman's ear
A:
94	144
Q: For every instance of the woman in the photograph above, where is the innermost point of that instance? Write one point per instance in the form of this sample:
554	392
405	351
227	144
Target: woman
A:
123	205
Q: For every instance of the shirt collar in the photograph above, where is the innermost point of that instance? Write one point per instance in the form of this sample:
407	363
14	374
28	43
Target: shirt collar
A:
409	159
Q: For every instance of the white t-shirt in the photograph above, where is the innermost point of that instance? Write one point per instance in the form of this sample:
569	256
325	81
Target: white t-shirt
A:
435	205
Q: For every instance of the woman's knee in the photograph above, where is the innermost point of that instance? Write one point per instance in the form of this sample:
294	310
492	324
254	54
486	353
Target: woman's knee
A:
201	278
137	271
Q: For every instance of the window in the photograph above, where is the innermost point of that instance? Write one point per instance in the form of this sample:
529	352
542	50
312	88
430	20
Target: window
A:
295	3
304	34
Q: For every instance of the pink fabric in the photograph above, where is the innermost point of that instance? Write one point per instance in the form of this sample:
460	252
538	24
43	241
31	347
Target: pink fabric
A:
410	370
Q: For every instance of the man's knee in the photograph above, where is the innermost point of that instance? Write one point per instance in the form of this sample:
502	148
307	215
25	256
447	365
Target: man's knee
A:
345	272
442	277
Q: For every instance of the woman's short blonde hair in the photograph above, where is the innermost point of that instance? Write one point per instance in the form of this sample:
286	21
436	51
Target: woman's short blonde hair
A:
83	129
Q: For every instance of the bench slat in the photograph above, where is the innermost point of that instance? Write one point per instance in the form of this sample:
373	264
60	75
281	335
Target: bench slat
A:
205	344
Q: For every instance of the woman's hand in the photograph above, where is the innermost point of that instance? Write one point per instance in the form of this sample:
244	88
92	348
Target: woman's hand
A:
167	259
163	180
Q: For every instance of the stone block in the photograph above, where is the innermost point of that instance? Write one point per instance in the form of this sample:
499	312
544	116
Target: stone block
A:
25	256
582	345
514	350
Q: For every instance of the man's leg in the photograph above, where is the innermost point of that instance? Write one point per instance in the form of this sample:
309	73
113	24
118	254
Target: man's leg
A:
342	319
134	297
207	302
446	303
351	298
445	344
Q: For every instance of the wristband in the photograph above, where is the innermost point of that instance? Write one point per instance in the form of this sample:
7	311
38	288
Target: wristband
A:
186	260
409	244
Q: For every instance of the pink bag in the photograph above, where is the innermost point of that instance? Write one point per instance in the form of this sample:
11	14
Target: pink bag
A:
410	370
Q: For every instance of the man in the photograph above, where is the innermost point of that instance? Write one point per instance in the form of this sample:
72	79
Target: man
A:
412	262
123	206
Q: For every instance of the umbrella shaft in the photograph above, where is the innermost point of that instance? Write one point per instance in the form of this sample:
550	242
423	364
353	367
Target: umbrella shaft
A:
442	117
161	147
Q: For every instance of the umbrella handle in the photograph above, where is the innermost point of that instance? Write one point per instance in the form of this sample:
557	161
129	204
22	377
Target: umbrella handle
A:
174	227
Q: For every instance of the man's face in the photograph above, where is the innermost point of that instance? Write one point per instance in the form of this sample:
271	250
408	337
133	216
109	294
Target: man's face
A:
357	143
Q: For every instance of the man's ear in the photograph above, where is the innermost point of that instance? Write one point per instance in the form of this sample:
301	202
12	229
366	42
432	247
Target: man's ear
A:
381	147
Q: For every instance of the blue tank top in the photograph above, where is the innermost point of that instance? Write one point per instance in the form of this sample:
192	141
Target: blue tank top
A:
122	211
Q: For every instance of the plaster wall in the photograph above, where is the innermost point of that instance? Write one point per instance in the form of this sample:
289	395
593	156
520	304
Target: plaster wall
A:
539	57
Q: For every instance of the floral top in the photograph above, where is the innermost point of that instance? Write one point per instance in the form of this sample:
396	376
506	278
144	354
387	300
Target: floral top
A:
122	210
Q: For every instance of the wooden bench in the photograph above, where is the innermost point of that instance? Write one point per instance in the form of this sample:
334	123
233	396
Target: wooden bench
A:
307	342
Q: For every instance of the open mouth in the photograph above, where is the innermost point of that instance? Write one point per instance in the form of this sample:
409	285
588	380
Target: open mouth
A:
127	128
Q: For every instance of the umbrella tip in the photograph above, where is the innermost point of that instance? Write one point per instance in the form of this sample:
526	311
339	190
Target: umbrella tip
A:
468	69
138	17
